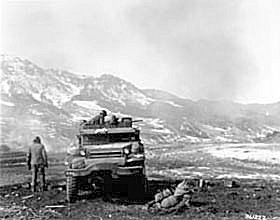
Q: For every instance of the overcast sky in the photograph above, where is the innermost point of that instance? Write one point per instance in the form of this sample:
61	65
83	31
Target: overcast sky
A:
213	49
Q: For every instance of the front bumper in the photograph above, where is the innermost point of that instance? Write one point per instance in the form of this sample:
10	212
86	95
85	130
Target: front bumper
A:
129	171
114	169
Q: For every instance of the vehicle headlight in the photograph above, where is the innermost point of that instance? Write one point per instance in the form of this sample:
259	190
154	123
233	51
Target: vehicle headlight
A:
82	153
77	163
137	148
127	150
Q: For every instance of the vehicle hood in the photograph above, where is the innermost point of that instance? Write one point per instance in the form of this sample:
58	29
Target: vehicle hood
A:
118	145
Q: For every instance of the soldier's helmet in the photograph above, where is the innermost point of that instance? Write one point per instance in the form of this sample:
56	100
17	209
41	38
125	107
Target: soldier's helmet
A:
37	140
103	112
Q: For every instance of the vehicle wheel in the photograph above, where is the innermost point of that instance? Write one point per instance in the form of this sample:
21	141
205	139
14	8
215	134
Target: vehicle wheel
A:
71	188
137	188
143	184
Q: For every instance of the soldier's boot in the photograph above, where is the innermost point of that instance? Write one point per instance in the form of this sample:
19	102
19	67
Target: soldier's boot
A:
34	178
42	178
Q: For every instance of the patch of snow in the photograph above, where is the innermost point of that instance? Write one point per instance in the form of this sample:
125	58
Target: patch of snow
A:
249	176
111	95
141	98
34	124
10	104
5	87
36	96
57	97
203	168
164	130
3	121
172	103
223	139
246	153
75	89
191	139
154	122
179	172
34	112
89	105
214	128
78	117
123	86
272	128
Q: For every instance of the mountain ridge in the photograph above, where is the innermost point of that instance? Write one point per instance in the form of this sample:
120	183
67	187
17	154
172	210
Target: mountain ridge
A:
50	103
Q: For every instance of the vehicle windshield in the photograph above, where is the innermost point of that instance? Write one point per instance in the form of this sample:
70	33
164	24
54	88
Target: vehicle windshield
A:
95	139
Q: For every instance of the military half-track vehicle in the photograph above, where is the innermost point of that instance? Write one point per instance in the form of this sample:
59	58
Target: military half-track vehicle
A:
106	152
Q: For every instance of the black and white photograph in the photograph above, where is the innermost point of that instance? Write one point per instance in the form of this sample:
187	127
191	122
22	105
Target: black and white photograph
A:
140	109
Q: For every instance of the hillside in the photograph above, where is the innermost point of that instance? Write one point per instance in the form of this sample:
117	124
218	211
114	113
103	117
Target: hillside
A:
50	103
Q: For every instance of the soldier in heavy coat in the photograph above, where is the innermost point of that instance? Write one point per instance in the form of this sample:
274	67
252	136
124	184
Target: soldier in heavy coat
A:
99	119
37	161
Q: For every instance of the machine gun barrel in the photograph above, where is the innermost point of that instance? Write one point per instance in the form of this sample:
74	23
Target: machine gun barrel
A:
137	121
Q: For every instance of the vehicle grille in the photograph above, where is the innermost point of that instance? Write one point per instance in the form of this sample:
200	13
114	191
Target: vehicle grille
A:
104	154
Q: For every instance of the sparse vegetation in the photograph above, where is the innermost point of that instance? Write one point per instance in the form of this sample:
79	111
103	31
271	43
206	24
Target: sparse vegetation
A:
224	198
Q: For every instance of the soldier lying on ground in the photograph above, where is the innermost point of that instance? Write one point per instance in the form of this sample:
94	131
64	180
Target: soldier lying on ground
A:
168	201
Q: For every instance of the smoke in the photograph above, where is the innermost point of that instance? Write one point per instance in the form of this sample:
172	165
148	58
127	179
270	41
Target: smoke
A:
196	48
199	42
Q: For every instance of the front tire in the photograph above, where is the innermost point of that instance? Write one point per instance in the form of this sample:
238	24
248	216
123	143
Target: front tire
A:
137	188
71	188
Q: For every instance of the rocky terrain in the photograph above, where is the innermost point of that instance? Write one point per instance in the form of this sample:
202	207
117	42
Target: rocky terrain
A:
240	183
230	146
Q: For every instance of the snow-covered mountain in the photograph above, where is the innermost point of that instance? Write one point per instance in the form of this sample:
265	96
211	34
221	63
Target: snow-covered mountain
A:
50	103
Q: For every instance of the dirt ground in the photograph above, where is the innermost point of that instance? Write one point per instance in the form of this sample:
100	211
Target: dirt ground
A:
237	188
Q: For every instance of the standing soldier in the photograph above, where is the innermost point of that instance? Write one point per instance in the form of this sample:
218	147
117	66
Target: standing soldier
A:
99	119
114	121
37	161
